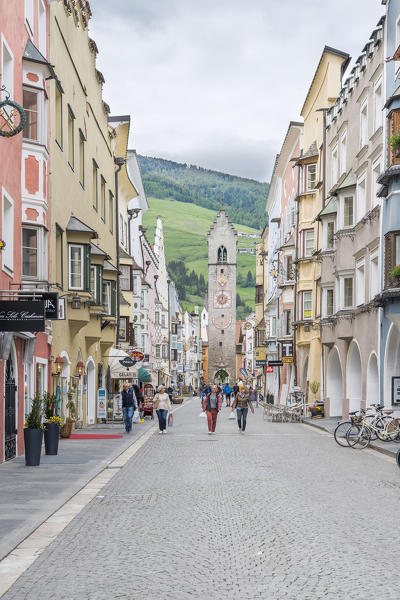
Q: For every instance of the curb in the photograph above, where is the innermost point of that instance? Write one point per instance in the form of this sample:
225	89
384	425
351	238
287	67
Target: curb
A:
371	445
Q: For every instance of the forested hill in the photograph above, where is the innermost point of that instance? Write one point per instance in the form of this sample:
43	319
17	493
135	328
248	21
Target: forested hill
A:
244	199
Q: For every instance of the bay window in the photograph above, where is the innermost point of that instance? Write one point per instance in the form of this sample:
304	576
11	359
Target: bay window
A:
360	283
305	305
29	252
348	211
346	289
96	283
310	177
31	101
392	253
328	234
109	299
124	329
307	242
125	278
327	302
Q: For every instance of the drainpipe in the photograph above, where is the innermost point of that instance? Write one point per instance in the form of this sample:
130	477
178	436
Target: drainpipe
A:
119	161
295	281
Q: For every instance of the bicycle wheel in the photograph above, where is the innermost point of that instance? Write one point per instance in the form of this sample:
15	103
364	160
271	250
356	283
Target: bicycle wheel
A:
360	440
370	419
340	433
390	430
398	458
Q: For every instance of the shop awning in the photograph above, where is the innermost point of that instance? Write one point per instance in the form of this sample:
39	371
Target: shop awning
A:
118	371
144	375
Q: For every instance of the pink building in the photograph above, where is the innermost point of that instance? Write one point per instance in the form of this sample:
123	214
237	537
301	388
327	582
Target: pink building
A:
24	215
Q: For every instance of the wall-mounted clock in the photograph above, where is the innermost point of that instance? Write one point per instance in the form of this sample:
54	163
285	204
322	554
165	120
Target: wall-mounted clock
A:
222	299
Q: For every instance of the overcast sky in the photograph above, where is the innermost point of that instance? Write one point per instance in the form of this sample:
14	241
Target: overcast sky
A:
215	82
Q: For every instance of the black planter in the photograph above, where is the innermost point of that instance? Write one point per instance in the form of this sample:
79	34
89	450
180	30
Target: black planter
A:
51	437
33	446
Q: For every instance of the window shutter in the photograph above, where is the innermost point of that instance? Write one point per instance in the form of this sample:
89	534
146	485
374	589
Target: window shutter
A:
131	334
86	267
113	298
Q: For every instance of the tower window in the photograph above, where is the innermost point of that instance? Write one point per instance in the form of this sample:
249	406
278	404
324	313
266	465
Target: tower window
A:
222	331
222	254
222	271
220	343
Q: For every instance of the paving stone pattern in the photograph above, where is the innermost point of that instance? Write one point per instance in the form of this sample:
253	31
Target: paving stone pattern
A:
279	513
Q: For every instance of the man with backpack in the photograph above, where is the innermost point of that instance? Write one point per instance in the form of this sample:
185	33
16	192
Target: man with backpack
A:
227	392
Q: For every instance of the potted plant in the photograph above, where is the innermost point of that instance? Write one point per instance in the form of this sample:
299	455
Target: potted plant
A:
33	433
68	427
314	387
394	277
394	142
51	424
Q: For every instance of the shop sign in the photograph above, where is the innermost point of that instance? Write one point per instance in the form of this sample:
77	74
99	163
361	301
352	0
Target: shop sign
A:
261	363
50	305
137	356
269	369
174	366
287	359
261	353
287	351
395	390
101	403
22	315
61	309
244	373
275	363
127	362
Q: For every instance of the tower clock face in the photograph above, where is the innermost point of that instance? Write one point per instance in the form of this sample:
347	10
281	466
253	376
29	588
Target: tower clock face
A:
222	299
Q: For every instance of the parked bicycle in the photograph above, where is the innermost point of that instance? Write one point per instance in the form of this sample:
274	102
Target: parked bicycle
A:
385	427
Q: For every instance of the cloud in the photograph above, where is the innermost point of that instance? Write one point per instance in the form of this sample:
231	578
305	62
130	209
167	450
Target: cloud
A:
215	83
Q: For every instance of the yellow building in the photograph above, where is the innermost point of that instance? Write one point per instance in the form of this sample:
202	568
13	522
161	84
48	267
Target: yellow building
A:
322	93
83	216
261	295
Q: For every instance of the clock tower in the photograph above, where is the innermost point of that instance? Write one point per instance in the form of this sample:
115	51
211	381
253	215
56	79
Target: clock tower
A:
222	243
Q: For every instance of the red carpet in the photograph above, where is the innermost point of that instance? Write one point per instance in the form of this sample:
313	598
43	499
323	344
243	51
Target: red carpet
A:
94	436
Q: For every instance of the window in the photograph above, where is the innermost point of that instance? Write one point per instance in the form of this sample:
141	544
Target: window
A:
305	305
164	351
29	16
121	229
96	283
361	197
81	158
29	252
360	283
259	294
134	285
58	116
111	212
8	233
103	198
378	104
347	292
30	101
343	154
95	184
289	268
273	326
42	28
287	322
311	177
71	138
392	253
376	171
307	242
373	275
364	124
125	278
109	299
7	78
329	235
334	166
158	351
348	211
123	329
59	257
327	299
79	267
222	254
174	354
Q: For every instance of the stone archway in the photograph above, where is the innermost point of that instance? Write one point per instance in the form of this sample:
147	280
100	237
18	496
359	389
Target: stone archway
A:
334	384
221	376
354	377
372	380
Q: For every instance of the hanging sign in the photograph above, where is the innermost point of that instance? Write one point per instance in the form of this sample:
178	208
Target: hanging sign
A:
127	362
50	305
269	369
275	363
244	373
22	315
137	356
287	351
101	403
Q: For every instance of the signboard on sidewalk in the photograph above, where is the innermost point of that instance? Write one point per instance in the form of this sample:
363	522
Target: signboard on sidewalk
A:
101	403
22	315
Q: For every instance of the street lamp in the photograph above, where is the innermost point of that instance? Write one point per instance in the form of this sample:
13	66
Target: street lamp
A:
76	302
80	368
59	362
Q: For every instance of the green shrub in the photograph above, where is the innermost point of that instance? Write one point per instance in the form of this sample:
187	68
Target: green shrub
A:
34	419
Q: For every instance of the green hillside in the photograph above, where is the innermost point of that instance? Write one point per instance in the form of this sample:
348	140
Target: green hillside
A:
244	199
185	227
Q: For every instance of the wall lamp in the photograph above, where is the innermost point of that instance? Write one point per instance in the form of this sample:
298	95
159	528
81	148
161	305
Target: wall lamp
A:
59	363
76	302
80	366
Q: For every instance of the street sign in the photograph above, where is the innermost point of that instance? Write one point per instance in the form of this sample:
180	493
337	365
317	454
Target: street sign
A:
275	363
269	369
287	350
261	363
287	359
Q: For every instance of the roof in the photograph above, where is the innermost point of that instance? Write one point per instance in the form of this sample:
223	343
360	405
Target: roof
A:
348	181
109	267
330	209
75	224
327	50
96	250
311	152
221	214
32	53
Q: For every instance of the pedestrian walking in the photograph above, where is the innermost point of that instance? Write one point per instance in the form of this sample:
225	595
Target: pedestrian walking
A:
212	404
235	390
129	405
227	393
242	403
162	404
253	396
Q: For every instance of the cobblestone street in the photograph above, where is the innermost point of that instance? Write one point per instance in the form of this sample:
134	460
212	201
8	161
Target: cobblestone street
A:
281	512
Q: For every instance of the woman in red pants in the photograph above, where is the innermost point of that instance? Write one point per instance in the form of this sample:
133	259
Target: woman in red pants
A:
212	405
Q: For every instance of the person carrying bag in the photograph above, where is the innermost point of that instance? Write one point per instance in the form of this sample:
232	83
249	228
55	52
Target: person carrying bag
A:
242	403
162	405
